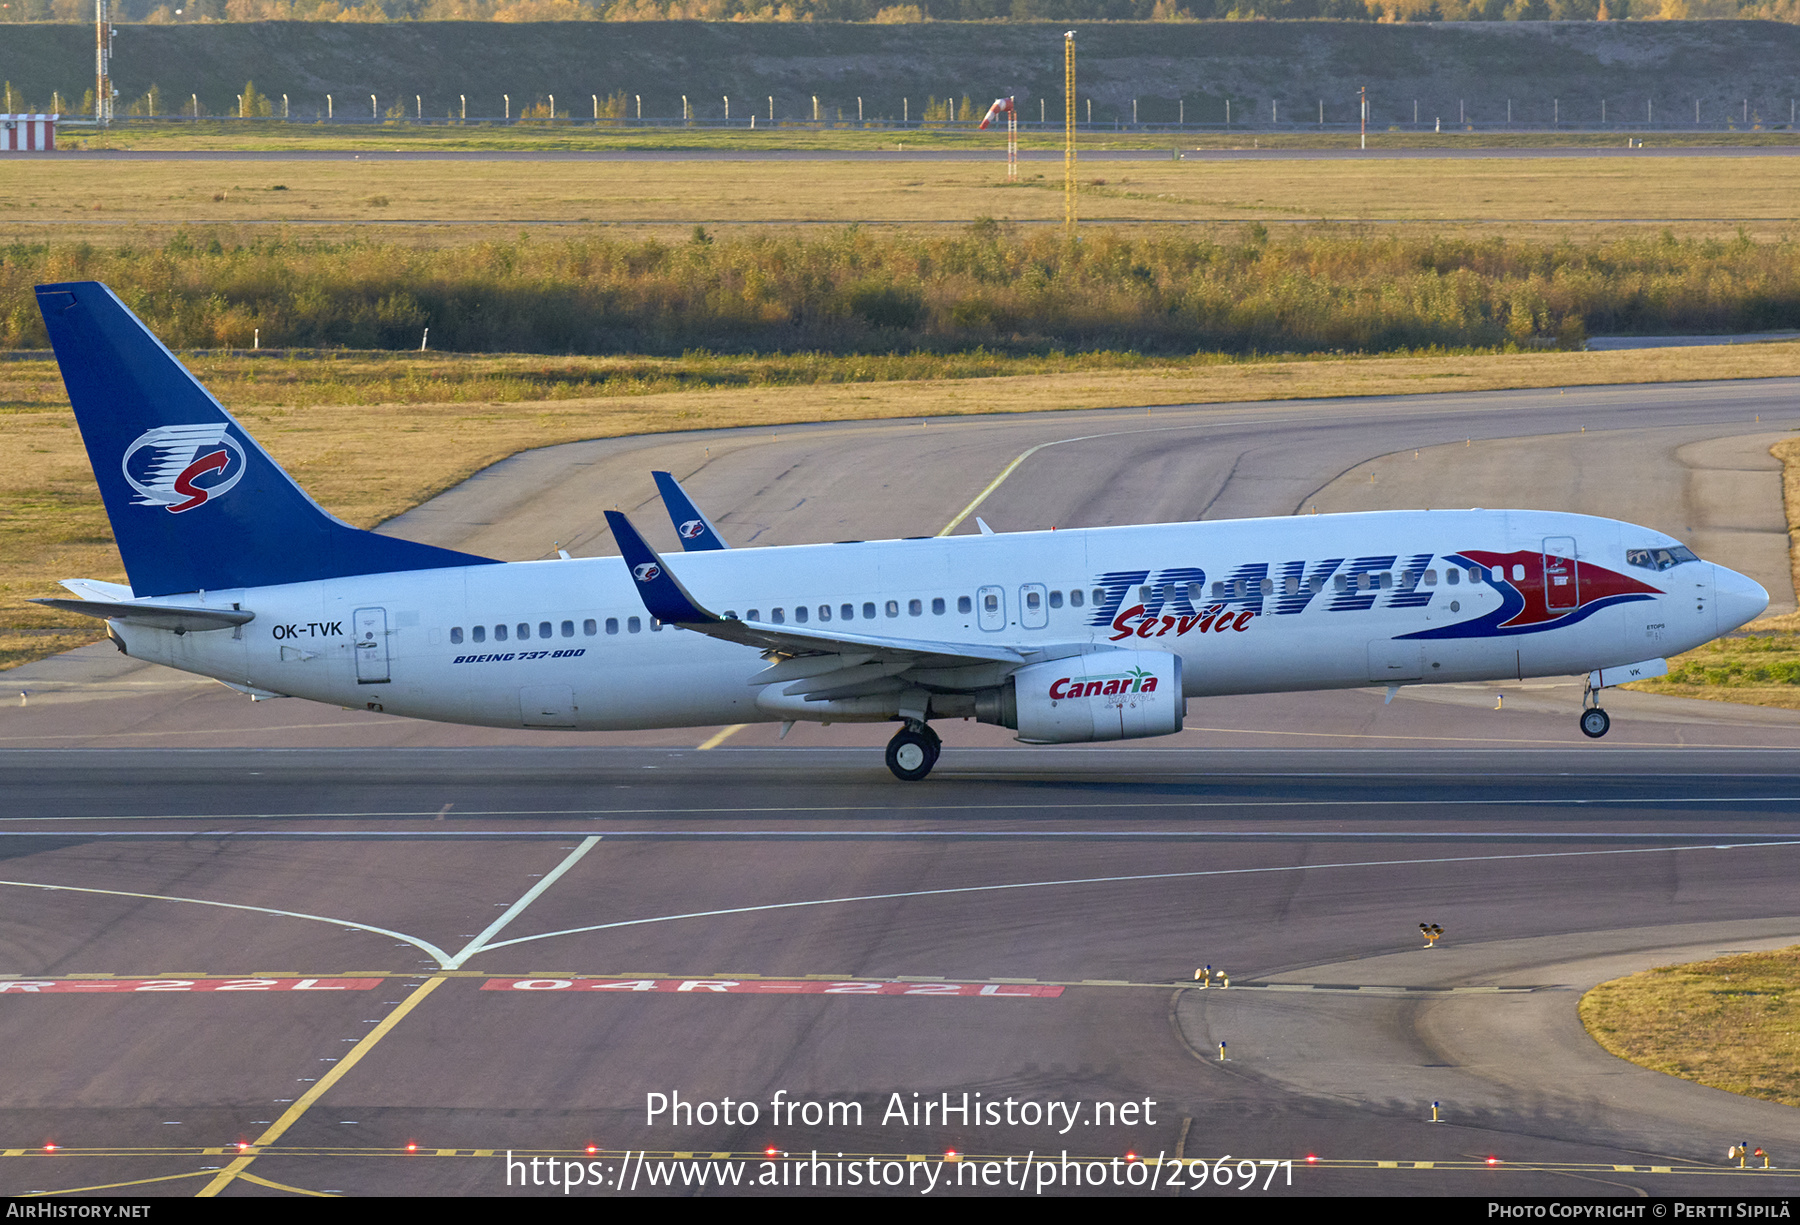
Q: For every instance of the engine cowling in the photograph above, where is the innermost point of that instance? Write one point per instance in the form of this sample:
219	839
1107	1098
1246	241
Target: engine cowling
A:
1112	695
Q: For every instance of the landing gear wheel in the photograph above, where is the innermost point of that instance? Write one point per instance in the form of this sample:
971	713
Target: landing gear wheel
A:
1595	723
910	754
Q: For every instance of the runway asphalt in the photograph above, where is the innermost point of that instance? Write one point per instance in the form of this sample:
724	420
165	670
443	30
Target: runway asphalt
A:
386	934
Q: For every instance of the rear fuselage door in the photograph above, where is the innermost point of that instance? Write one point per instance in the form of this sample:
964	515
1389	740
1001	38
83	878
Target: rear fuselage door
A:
990	608
1562	574
371	646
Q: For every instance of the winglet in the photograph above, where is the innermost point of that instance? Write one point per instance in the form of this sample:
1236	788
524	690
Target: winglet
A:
663	595
698	535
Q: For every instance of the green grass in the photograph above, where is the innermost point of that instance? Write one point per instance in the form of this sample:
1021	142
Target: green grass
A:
1732	1023
873	292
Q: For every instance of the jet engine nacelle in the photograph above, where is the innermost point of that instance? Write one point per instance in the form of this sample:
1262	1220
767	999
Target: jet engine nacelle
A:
1112	695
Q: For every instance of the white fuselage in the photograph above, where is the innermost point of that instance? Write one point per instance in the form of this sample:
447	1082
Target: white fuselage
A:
1236	599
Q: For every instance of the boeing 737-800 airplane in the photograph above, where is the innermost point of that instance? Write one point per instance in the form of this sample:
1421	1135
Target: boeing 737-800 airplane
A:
1065	636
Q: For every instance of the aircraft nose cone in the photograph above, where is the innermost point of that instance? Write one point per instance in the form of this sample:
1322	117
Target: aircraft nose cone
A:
1736	599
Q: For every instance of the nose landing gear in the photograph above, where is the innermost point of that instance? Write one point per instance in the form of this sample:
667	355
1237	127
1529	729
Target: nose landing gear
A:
913	751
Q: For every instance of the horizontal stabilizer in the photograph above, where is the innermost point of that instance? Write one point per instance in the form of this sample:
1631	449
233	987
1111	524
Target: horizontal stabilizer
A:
155	616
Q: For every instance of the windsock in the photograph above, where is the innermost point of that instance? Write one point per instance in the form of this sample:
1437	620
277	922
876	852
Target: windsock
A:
1002	106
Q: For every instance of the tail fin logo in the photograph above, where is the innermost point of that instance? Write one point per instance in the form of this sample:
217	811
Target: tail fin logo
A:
691	529
646	572
179	467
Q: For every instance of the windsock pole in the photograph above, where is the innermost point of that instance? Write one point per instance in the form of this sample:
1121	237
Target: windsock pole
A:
1069	132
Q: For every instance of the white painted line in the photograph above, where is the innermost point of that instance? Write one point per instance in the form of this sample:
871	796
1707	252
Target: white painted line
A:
907	810
518	908
1111	880
425	945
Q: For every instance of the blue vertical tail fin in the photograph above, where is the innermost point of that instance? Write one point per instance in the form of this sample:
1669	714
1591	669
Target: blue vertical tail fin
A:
195	503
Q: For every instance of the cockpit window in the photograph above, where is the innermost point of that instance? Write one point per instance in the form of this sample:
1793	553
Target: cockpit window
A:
1659	559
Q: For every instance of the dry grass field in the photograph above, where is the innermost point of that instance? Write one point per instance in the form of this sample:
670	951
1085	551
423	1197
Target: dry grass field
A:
450	417
1732	1023
434	200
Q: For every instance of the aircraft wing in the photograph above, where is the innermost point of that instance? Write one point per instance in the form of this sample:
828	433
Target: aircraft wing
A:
698	535
822	663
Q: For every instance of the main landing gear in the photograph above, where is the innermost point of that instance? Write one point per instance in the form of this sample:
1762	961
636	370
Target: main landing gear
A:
1594	721
913	751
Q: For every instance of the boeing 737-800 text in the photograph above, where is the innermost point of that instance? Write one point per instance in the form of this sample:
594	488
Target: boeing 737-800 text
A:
1064	636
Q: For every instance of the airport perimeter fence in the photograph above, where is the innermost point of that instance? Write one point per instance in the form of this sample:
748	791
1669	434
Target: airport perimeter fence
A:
1609	116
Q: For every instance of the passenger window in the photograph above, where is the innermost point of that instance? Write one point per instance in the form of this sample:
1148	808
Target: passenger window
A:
848	612
1099	595
479	633
963	604
1518	573
1291	584
1032	600
456	634
1218	591
1316	583
1056	599
893	608
914	608
937	608
868	612
824	612
633	625
776	617
1075	598
568	629
1268	586
1340	583
800	615
1477	574
1144	594
990	603
499	633
655	626
1453	577
588	627
1431	578
544	629
524	631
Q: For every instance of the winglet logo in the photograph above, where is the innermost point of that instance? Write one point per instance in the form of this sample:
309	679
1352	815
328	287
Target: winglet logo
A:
167	465
691	529
646	572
